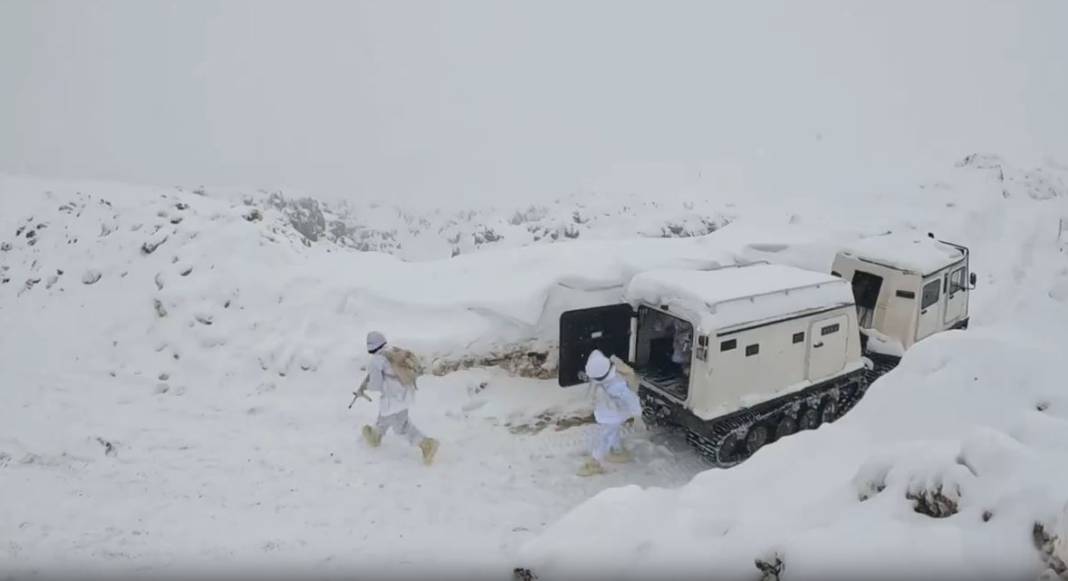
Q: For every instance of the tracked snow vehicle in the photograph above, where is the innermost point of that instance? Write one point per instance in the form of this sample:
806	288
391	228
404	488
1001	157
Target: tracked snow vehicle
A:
906	288
764	351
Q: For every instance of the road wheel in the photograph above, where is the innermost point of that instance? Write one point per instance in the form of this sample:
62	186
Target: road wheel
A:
755	438
731	450
787	425
809	419
828	410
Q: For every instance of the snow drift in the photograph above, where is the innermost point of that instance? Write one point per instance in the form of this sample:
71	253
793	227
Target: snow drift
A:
945	469
176	365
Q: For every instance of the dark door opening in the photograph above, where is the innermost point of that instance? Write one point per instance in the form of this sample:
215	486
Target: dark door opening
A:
663	351
866	287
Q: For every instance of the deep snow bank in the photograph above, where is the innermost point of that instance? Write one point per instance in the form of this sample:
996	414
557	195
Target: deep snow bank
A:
227	284
953	466
208	340
972	420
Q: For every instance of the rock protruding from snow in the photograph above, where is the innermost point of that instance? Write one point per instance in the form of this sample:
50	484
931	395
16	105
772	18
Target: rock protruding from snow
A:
1051	548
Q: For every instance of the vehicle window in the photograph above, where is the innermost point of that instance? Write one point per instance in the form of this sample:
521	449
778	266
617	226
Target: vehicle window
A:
829	329
799	337
956	281
931	292
728	345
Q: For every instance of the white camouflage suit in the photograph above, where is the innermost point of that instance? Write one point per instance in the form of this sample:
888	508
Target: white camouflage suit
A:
395	400
614	403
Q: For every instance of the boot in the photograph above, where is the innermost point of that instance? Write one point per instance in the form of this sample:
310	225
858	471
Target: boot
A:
590	468
621	457
429	446
372	436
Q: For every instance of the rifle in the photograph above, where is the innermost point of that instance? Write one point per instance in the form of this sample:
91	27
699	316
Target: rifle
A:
361	392
358	394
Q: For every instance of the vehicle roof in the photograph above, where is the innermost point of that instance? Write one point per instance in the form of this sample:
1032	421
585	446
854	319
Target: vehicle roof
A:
906	252
736	295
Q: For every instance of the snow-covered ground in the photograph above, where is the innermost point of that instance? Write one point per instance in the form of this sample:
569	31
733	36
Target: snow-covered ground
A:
176	366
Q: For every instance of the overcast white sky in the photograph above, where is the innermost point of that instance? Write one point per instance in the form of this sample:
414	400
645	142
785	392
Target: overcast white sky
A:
481	99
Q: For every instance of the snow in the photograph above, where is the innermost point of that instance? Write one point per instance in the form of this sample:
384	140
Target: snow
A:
732	296
980	416
187	410
834	502
917	254
883	344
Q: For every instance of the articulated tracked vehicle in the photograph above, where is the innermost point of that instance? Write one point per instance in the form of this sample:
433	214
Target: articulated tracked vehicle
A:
742	356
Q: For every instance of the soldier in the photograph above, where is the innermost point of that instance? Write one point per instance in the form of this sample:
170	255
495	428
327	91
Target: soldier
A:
614	404
393	372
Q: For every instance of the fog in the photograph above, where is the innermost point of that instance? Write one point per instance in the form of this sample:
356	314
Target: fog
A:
481	100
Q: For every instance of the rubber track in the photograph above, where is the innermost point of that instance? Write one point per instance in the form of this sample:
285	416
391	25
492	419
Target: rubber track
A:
710	445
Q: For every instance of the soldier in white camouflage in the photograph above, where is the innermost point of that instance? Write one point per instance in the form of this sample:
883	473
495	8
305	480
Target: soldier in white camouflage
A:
392	372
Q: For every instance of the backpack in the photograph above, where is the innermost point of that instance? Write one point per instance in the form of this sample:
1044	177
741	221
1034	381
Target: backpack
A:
405	364
626	372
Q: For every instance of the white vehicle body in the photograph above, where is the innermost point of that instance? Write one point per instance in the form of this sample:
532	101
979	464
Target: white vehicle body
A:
759	332
907	287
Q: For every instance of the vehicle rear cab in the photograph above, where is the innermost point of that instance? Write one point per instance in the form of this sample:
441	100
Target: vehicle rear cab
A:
906	289
708	345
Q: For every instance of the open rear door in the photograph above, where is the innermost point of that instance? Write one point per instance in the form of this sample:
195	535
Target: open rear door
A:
583	330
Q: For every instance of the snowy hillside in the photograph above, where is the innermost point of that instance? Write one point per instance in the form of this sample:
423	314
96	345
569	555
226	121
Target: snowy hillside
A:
177	362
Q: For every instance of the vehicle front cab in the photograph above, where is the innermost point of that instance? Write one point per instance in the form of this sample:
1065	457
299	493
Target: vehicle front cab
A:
907	289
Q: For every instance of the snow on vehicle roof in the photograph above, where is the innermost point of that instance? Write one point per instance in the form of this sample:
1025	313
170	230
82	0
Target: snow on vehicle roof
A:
906	252
736	295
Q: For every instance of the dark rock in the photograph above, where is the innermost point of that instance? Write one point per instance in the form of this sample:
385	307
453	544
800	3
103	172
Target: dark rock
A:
305	215
151	246
934	503
1046	545
109	448
771	569
523	574
91	276
486	236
